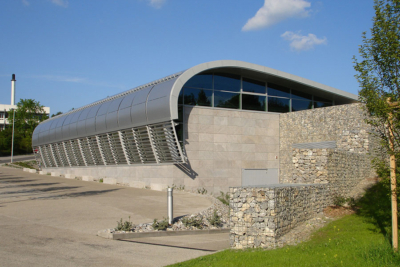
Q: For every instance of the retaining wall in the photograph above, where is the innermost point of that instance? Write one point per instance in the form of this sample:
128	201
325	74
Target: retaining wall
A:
261	215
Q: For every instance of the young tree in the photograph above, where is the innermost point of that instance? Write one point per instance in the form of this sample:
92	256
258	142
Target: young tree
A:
379	78
28	114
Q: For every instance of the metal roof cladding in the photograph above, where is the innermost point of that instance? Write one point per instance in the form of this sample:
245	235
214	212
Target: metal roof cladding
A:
157	102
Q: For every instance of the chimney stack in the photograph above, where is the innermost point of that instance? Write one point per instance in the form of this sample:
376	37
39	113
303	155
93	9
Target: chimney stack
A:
13	80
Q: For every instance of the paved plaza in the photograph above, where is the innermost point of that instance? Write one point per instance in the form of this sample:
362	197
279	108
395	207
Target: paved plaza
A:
53	221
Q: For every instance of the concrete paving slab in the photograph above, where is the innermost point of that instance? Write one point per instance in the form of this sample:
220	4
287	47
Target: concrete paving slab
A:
53	221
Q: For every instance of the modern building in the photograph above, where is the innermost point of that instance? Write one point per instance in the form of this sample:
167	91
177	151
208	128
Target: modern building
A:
218	124
5	108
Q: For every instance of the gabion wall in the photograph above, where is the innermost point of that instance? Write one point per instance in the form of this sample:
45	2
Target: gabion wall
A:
260	215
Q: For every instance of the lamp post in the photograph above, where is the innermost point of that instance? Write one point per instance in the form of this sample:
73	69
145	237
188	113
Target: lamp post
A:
12	142
393	182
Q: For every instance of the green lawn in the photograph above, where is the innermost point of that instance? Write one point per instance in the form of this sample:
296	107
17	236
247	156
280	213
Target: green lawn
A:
354	240
350	241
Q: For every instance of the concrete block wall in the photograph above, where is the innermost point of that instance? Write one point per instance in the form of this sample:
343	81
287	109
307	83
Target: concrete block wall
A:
218	143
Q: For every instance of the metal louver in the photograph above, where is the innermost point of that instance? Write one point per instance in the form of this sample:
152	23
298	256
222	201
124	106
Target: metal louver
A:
152	144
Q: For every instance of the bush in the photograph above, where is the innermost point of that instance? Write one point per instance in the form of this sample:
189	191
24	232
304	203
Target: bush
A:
224	198
160	225
124	226
193	222
339	200
215	219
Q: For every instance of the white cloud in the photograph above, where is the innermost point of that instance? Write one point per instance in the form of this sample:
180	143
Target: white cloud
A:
275	11
157	3
303	42
25	2
61	3
58	78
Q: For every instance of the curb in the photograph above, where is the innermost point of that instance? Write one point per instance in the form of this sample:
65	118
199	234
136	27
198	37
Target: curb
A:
118	236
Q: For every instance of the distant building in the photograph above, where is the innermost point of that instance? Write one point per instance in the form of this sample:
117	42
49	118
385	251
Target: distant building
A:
5	108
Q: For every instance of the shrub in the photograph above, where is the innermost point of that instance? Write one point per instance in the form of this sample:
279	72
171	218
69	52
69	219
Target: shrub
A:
224	198
193	222
160	225
124	226
201	191
215	219
339	200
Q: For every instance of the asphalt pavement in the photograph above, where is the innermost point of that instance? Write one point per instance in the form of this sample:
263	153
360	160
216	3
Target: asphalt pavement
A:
17	158
53	221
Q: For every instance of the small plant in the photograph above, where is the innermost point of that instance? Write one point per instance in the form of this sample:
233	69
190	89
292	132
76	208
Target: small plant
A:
215	219
160	225
224	198
339	200
192	222
180	188
124	226
201	191
101	180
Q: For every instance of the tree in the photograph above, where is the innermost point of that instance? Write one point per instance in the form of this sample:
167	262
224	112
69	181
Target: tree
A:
58	113
378	75
28	114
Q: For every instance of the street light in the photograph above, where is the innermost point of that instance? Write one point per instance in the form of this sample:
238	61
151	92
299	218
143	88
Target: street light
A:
12	142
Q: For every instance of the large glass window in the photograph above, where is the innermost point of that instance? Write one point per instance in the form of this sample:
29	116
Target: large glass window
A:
200	81
226	100
253	86
227	82
320	99
197	97
318	104
277	90
301	95
235	92
298	105
253	102
281	105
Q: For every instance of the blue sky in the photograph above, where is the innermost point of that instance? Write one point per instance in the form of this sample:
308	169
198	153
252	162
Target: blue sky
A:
69	53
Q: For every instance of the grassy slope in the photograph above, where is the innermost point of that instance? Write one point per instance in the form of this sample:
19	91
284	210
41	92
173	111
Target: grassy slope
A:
350	241
355	240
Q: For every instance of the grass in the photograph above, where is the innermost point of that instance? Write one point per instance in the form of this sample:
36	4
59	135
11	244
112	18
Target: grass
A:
354	240
25	164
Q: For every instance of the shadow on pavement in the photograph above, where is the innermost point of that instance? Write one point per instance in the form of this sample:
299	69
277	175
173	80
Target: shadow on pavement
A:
163	245
80	194
28	185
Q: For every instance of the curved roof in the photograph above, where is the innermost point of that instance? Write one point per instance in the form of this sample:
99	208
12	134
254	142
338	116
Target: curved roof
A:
158	102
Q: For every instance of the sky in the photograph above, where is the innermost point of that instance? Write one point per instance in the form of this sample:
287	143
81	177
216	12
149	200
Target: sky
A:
69	53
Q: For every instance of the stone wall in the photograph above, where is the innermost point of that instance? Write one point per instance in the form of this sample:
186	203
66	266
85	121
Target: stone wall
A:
344	124
343	170
260	216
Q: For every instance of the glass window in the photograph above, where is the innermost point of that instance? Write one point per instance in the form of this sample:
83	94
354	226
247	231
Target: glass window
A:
179	126
253	86
200	81
227	82
253	102
318	104
301	95
226	100
180	97
278	104
298	105
197	97
277	90
320	99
